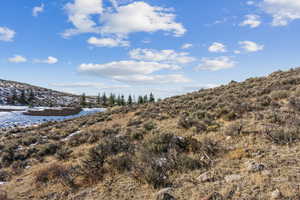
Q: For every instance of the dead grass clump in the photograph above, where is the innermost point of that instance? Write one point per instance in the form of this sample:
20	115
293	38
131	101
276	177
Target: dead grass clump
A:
279	94
3	195
234	129
55	173
282	135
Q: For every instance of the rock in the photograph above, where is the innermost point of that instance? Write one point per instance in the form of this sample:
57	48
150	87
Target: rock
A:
164	194
205	177
232	177
276	194
253	166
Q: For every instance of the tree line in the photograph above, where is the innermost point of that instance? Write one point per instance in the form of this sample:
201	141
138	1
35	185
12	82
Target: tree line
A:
23	97
118	100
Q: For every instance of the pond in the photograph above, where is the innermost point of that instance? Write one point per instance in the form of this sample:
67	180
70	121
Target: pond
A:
16	118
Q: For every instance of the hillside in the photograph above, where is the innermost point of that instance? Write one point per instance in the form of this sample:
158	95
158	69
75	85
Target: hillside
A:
237	141
41	96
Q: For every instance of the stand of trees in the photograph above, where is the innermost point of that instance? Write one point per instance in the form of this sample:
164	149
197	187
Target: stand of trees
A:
24	97
118	100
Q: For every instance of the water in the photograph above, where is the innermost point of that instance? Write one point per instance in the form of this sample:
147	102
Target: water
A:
16	118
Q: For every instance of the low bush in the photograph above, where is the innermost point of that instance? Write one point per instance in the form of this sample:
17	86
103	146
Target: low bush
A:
279	94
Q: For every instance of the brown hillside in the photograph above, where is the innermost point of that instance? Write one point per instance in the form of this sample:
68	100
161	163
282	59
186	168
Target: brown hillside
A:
239	141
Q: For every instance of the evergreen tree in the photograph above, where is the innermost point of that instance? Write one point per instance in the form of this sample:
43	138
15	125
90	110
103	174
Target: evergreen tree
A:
22	98
119	100
123	103
129	101
104	99
31	96
145	99
14	97
83	100
112	99
151	98
98	99
140	100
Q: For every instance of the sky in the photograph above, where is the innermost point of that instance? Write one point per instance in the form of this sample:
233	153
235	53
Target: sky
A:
167	47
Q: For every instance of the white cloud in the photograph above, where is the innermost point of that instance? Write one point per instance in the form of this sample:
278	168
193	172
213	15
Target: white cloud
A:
214	64
217	47
6	34
122	21
252	21
282	11
17	59
89	85
107	42
133	72
250	3
237	52
80	15
153	79
38	9
187	46
250	46
49	60
167	56
140	17
120	68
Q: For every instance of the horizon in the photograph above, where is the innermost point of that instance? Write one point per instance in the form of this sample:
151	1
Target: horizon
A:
138	47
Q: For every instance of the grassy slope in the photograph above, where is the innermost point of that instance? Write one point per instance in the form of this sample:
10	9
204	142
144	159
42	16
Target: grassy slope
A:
244	136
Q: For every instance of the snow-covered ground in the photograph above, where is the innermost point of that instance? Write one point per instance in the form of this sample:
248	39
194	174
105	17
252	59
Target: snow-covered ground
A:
16	118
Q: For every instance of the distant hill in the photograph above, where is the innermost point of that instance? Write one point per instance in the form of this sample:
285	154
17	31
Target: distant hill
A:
12	91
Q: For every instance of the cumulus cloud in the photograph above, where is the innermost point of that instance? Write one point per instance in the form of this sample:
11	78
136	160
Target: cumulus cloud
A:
282	11
90	85
80	14
250	3
107	42
133	72
6	34
252	21
250	46
217	47
187	46
153	79
120	68
17	59
167	56
121	21
38	9
49	60
215	64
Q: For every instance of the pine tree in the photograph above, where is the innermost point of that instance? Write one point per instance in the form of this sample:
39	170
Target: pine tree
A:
104	99
151	98
31	96
140	100
98	99
22	98
146	99
83	100
119	103
129	101
123	103
112	99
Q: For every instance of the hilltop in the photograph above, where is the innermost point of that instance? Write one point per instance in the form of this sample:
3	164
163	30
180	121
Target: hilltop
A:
40	96
236	141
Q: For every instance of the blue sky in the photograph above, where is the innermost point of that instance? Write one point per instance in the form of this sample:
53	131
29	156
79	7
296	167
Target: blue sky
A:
167	47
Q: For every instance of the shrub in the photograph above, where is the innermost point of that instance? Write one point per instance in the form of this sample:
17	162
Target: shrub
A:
150	125
279	94
122	163
185	163
54	173
4	176
48	149
282	135
63	153
234	129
